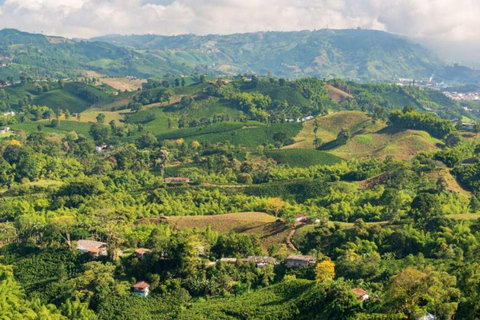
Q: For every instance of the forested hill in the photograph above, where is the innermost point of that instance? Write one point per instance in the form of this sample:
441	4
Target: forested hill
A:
37	55
355	54
361	55
358	55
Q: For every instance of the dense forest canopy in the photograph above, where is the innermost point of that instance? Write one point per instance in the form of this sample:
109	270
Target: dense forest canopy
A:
236	197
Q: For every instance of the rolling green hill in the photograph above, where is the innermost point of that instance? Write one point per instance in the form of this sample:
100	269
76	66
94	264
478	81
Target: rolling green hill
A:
369	138
37	55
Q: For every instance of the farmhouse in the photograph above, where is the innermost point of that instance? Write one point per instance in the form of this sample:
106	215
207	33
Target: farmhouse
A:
102	148
467	126
141	288
301	218
141	252
469	161
427	316
4	130
261	261
177	180
9	114
94	248
295	261
361	294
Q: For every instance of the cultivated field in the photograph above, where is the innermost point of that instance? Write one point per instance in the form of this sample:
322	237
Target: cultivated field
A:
303	157
266	227
123	83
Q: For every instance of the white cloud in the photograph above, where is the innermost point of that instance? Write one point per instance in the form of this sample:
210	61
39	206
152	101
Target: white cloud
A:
449	20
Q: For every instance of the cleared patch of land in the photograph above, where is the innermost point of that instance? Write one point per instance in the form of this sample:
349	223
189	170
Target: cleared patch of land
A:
91	115
123	83
451	182
336	94
268	229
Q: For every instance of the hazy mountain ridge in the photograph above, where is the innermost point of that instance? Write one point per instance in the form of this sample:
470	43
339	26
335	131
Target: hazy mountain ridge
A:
359	55
355	54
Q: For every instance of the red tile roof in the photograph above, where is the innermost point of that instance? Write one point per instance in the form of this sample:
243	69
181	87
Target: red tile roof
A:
141	285
359	292
142	250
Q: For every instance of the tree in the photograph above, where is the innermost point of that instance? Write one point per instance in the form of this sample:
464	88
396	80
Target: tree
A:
280	138
54	123
100	118
275	206
325	272
146	140
414	292
63	226
425	208
344	135
99	132
77	310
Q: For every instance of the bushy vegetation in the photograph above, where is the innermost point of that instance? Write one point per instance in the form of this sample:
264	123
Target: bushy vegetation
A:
400	228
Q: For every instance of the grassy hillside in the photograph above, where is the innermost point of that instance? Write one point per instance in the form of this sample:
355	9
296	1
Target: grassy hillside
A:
60	99
368	138
262	225
402	144
329	126
63	128
336	94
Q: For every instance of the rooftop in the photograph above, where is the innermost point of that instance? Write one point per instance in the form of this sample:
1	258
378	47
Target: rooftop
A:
359	292
300	257
142	250
90	244
141	285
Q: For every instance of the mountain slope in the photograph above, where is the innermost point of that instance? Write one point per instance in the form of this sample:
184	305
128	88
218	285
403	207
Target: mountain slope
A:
353	54
38	55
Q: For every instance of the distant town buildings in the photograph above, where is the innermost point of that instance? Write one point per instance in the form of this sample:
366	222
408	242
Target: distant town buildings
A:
468	96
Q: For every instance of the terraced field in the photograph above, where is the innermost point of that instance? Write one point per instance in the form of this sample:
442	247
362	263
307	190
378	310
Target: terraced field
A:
266	227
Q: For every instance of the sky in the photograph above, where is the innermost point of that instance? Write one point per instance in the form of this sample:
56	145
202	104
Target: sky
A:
447	25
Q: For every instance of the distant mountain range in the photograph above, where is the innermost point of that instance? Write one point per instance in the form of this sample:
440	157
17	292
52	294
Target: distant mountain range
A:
359	55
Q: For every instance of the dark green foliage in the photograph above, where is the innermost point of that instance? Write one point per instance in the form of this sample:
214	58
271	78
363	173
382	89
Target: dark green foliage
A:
303	157
436	126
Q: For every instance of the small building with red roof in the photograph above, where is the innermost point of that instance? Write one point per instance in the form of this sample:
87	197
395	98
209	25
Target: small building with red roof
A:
141	288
